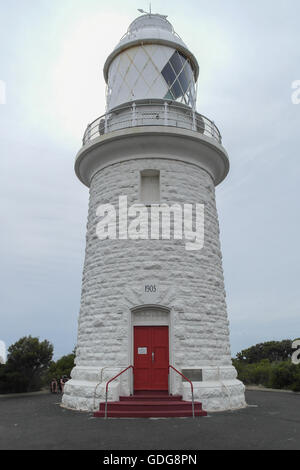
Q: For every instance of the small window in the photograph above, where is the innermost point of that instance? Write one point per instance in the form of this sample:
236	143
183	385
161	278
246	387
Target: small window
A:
150	187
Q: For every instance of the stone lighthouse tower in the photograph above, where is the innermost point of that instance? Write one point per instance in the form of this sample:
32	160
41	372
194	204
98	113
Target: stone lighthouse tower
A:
152	301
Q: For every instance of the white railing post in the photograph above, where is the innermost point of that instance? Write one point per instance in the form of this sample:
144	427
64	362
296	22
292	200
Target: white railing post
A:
105	125
133	115
87	135
213	134
194	120
166	114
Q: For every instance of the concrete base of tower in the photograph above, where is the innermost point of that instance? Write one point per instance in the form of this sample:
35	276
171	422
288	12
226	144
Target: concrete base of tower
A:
217	396
218	391
87	388
84	395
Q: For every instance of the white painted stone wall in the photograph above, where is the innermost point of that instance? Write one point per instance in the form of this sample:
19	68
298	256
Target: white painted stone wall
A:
191	287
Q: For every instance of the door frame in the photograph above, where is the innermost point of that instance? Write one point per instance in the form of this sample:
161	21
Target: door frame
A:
150	315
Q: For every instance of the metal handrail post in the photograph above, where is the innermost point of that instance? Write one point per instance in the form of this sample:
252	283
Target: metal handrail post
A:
106	395
111	380
192	387
193	402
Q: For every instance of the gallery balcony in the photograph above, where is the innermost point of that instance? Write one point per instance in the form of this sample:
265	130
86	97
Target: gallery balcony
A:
151	113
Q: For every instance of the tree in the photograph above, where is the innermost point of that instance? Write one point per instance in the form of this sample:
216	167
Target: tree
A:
28	359
63	366
274	351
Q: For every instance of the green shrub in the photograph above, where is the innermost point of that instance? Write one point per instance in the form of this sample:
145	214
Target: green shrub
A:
278	375
282	375
296	382
254	374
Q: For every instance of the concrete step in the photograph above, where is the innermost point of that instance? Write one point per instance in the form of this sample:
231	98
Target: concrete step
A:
152	397
150	414
150	405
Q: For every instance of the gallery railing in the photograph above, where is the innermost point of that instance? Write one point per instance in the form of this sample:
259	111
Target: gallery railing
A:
151	114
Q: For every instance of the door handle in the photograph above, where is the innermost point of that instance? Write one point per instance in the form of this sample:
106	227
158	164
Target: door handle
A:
153	357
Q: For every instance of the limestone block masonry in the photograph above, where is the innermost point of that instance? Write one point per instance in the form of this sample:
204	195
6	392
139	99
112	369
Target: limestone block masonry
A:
191	288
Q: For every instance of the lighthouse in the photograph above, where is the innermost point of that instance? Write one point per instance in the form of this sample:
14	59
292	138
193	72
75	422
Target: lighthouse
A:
153	316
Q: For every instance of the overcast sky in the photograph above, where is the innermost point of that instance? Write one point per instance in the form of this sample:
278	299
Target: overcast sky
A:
52	54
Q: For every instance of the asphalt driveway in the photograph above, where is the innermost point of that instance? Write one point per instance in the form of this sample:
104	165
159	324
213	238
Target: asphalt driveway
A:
272	421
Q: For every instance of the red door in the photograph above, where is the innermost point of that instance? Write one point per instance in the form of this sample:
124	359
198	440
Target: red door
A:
151	357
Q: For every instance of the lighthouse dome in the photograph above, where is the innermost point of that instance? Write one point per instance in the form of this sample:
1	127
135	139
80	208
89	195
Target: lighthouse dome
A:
151	62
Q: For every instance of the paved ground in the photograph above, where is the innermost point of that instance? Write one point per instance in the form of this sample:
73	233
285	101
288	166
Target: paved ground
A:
272	421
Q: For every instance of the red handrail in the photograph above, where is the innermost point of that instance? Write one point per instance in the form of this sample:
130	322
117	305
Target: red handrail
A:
191	384
111	380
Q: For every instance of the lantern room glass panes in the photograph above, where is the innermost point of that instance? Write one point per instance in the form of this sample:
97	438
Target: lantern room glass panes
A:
177	61
180	79
150	71
169	74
